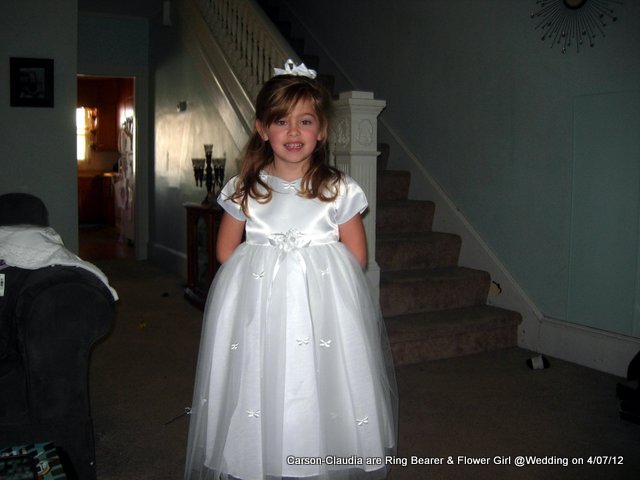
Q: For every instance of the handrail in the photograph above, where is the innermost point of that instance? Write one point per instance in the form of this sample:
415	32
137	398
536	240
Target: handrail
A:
251	43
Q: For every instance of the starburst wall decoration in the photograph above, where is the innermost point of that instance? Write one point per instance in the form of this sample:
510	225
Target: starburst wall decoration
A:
568	23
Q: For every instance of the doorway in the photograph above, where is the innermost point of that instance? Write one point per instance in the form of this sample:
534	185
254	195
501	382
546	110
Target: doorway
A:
106	159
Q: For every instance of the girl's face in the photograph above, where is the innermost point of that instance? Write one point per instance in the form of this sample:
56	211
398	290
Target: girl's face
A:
293	138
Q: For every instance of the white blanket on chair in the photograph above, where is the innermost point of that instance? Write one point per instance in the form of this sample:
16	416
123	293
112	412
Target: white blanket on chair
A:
31	247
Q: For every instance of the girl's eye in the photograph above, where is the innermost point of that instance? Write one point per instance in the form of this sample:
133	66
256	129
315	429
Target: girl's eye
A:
307	122
280	122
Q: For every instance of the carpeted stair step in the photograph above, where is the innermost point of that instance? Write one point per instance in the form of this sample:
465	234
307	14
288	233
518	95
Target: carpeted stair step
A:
414	291
404	216
427	336
417	250
393	185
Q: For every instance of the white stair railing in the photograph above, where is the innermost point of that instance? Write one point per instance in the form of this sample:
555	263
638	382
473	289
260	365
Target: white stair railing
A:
240	49
252	45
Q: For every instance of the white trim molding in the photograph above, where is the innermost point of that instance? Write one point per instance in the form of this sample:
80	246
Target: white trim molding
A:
604	351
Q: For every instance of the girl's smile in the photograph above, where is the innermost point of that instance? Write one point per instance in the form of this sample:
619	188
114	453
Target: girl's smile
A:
293	139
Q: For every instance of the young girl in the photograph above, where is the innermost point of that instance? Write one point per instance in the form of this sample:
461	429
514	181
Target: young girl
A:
294	376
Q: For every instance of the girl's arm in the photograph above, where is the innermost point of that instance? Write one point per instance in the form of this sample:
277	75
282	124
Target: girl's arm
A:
229	236
353	236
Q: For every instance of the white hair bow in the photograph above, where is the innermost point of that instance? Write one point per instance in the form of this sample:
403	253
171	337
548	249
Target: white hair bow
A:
290	68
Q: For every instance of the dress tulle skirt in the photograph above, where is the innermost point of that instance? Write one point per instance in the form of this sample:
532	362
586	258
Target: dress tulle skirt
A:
294	374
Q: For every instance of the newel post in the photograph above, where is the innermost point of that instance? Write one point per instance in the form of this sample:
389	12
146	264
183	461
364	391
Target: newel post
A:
354	139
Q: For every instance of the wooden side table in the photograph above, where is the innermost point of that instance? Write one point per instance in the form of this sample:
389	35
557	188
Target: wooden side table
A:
202	229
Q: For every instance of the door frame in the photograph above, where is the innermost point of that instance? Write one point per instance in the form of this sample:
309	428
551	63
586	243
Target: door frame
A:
142	148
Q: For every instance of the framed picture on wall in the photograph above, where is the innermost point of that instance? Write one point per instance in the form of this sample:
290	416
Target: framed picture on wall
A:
31	82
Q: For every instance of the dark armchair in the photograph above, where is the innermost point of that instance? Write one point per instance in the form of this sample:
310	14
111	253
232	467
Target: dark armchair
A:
50	318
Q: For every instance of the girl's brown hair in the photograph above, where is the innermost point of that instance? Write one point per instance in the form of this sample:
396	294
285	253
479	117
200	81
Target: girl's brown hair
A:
276	99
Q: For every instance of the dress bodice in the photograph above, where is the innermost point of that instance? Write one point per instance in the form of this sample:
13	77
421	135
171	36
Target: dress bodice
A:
292	221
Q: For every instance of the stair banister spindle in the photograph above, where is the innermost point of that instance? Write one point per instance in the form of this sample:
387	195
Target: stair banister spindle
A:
206	10
250	49
230	30
221	9
250	41
243	37
275	58
226	15
236	28
230	18
260	55
232	26
214	12
217	13
245	40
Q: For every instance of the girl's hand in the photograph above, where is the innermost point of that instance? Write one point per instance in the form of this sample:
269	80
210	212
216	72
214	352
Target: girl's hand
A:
229	236
353	236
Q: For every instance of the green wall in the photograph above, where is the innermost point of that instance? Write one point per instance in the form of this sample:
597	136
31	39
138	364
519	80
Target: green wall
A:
180	136
118	46
603	258
38	144
490	111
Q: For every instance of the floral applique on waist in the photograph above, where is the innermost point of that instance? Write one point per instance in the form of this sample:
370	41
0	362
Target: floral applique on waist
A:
290	240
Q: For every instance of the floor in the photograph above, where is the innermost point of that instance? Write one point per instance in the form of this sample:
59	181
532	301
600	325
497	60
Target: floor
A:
102	242
472	417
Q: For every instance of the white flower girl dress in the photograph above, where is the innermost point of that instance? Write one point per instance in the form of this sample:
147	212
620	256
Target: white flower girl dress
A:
294	376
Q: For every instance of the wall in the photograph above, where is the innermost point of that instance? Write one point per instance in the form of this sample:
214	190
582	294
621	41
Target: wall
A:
488	110
39	143
114	44
179	137
118	46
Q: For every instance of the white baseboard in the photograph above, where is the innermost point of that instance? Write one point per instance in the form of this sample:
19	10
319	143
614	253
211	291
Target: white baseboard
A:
603	351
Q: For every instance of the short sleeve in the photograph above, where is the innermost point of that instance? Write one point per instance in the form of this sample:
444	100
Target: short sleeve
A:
351	200
224	200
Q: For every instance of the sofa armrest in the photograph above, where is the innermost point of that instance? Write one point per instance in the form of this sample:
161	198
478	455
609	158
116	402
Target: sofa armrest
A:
60	314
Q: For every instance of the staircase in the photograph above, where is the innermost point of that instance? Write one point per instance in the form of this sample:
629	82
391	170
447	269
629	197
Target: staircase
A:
433	308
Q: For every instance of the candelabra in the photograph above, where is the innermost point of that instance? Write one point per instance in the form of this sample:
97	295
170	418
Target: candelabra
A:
198	170
208	174
210	171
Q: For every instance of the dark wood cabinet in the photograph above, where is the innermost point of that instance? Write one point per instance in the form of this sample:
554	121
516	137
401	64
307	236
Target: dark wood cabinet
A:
202	229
